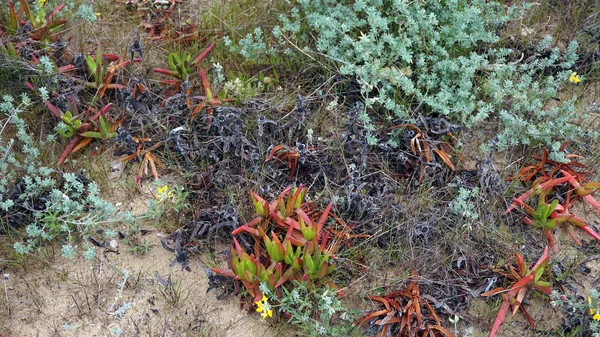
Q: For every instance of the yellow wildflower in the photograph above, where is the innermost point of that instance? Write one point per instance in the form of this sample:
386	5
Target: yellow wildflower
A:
596	317
164	194
574	78
42	3
264	308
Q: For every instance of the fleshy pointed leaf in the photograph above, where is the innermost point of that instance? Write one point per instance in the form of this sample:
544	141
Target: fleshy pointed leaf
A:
203	54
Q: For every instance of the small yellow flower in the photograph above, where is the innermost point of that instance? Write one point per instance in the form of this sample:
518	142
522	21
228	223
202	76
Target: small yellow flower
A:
596	317
164	194
42	3
574	78
264	308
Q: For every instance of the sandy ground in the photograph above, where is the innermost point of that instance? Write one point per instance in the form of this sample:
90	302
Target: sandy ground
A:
80	298
64	297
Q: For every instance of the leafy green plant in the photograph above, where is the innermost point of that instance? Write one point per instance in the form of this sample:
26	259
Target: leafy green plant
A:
541	217
96	66
102	69
180	64
547	216
169	204
104	131
77	130
70	125
8	49
297	248
43	24
181	67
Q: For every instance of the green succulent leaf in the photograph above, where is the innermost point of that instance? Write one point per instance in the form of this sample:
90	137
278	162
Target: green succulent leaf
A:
92	134
172	63
103	127
91	64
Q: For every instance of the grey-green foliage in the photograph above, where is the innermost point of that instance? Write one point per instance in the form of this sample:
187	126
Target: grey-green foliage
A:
465	205
578	309
312	310
443	57
53	204
251	46
86	12
118	313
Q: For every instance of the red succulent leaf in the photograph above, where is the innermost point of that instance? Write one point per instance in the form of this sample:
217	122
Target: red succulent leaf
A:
224	272
55	110
72	143
203	54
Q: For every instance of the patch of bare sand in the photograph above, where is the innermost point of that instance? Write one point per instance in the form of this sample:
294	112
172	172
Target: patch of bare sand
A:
80	298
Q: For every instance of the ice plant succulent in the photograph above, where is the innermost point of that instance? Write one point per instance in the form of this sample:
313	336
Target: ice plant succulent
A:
547	184
546	168
76	126
524	280
542	216
290	243
284	153
43	26
148	158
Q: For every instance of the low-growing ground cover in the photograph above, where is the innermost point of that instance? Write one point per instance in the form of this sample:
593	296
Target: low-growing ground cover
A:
320	168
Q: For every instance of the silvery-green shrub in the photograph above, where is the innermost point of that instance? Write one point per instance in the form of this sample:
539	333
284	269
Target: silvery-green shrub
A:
52	205
439	58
